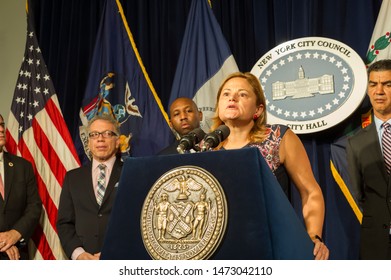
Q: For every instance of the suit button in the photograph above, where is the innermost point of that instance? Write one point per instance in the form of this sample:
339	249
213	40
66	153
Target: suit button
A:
100	215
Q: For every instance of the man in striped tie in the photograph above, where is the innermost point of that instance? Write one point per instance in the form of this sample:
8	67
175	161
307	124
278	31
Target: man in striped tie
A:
88	193
369	162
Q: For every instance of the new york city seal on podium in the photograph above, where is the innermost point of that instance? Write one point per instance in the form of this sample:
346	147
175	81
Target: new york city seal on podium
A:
184	215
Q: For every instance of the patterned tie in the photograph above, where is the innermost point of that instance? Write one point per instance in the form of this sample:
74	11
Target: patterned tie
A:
101	183
386	142
1	186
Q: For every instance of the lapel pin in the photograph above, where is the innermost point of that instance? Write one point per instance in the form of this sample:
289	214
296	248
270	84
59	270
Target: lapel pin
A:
10	164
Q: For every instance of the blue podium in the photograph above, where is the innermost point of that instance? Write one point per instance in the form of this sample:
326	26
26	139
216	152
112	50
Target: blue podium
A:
261	221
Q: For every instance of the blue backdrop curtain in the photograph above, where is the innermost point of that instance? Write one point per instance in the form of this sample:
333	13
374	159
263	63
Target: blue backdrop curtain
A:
67	31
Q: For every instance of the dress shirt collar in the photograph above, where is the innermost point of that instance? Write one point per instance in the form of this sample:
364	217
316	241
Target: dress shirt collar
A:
378	123
109	163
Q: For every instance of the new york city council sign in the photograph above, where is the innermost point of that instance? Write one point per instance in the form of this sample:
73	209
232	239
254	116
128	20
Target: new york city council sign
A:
311	83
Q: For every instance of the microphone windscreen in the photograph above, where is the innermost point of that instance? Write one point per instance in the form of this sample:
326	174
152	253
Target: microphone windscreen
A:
199	134
190	140
224	132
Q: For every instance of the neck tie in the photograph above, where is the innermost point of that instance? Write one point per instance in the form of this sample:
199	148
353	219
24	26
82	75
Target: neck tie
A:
101	183
1	186
386	142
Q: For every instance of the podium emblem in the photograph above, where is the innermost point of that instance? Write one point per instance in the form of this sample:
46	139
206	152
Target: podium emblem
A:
184	215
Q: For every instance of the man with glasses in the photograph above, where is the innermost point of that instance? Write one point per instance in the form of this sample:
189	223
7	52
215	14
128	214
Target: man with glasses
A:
20	204
88	193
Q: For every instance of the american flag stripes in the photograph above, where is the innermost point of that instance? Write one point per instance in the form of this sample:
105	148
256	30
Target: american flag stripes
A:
36	130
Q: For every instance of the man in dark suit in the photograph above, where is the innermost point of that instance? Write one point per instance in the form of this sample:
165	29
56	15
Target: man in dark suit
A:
20	204
369	177
88	193
184	117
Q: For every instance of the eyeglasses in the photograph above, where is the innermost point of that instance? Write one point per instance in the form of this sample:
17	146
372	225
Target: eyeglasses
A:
105	134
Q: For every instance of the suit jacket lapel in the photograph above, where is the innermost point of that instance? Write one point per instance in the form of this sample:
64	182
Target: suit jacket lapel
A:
89	184
114	178
8	175
374	149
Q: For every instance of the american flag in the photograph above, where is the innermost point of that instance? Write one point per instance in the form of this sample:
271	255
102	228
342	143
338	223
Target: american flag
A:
37	131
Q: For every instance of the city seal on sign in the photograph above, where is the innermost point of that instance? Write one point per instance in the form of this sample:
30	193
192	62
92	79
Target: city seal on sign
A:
312	83
184	215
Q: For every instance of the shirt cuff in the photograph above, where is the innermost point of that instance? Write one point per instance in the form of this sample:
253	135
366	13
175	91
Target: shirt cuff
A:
77	252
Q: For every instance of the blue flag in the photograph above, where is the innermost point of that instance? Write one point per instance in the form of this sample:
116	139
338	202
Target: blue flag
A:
204	61
118	84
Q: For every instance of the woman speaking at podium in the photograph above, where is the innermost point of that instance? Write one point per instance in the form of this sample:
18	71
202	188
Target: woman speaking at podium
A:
241	106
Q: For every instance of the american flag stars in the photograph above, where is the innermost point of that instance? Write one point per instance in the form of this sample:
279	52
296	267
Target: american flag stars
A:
33	85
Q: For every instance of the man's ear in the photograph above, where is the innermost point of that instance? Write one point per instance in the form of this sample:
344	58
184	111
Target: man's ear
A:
118	143
200	115
176	134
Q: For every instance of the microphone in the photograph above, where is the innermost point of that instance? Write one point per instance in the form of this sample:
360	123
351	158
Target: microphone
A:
213	139
190	140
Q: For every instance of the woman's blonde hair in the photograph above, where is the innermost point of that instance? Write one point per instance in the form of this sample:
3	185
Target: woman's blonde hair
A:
257	133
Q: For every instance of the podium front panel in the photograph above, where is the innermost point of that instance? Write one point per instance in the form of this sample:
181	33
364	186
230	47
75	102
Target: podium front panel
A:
261	222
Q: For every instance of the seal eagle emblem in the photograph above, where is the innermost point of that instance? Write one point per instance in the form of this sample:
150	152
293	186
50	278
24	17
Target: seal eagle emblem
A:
184	215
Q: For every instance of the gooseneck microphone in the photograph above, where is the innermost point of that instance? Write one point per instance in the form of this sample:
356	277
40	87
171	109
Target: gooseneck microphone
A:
213	139
190	140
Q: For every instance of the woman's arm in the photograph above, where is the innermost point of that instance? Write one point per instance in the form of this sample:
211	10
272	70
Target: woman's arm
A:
295	159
